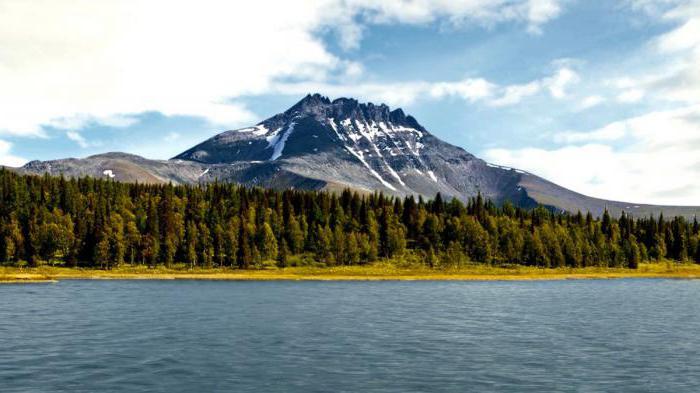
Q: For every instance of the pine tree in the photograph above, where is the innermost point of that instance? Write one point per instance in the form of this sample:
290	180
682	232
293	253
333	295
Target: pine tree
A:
102	255
206	250
338	246
631	250
267	243
658	251
245	254
116	240
169	251
606	224
295	236
192	236
219	245
396	238
372	230
12	240
352	250
231	241
283	254
132	239
151	250
322	244
476	240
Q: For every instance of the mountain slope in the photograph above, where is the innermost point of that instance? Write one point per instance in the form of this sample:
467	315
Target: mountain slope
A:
364	146
324	144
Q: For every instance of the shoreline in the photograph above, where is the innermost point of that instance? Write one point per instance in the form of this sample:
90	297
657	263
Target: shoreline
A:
378	272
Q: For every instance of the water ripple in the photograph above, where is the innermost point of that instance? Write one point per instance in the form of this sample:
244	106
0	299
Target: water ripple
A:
184	336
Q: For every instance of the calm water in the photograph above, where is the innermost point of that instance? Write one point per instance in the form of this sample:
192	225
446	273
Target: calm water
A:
206	336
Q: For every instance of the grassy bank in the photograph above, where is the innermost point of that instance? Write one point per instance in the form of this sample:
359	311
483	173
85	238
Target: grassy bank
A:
379	271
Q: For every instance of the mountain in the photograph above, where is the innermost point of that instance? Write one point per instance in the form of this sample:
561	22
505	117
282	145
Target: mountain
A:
324	144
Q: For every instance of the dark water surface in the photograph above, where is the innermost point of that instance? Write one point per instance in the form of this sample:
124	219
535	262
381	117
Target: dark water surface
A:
206	336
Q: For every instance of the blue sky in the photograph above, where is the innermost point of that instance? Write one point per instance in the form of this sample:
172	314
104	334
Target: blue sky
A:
602	97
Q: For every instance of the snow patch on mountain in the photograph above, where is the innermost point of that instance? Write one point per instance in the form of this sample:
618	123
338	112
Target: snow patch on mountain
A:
432	176
372	171
260	130
279	144
393	173
273	138
507	168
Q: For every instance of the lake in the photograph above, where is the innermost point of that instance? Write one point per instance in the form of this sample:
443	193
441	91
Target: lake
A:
207	336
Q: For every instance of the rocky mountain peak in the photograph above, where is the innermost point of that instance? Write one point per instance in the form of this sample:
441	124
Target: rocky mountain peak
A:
322	108
312	103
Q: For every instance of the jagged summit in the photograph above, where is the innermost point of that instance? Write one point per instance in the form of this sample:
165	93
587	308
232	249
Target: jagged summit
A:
349	108
347	142
371	135
309	104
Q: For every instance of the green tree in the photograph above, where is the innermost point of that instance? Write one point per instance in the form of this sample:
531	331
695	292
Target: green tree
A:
322	244
12	240
231	241
352	249
102	254
267	243
283	254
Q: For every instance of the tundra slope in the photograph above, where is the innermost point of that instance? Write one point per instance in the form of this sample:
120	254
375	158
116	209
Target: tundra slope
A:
324	144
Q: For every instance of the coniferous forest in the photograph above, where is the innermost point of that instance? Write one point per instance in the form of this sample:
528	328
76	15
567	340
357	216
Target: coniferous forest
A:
101	223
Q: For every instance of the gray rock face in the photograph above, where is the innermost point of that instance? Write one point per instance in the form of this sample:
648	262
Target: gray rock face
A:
348	144
324	144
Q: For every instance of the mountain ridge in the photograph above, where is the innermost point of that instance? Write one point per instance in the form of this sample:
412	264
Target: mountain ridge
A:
320	143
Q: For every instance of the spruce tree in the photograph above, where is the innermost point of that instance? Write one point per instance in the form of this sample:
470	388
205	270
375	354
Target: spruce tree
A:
267	243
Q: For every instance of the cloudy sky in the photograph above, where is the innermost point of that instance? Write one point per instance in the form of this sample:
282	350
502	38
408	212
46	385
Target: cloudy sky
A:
600	96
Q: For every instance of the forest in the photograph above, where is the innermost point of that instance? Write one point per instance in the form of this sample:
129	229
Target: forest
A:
99	223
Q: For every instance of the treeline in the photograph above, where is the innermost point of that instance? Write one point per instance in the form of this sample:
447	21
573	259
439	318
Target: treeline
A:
102	223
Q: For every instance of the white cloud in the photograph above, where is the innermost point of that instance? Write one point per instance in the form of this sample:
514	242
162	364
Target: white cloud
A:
611	132
666	71
687	34
658	163
540	11
652	7
7	158
677	77
77	138
682	45
558	83
590	102
470	89
71	60
532	13
81	120
69	63
515	93
651	158
630	96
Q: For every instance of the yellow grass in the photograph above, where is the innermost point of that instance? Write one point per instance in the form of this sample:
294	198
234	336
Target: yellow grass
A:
378	271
